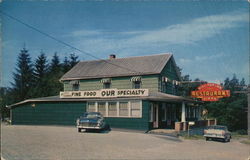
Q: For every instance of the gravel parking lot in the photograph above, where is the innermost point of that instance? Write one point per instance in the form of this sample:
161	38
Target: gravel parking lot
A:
59	143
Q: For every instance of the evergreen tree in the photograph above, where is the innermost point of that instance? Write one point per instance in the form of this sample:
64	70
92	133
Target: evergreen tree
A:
230	111
73	60
23	77
55	66
55	73
66	65
41	77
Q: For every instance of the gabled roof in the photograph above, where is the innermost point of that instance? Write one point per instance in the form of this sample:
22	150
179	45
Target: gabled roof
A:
131	66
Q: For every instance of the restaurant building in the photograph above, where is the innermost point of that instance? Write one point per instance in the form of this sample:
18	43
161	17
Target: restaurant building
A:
132	93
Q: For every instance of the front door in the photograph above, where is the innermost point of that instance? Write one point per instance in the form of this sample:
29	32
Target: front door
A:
155	115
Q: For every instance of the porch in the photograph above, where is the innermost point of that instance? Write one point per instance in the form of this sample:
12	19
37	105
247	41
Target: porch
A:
176	116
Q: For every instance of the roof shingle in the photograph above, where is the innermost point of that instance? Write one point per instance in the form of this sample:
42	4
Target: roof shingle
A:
130	66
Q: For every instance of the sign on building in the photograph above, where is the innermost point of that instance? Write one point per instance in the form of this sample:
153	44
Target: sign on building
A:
210	92
105	93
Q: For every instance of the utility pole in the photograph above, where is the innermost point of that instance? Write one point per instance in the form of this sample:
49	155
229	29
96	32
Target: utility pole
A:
247	92
248	111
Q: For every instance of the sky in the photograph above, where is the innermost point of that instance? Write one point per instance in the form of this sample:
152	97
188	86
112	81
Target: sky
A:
209	40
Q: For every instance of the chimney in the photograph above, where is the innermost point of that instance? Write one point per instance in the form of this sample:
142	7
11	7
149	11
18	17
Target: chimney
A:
112	56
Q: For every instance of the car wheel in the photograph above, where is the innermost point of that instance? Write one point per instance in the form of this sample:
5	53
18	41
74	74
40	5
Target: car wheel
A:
108	127
79	129
207	138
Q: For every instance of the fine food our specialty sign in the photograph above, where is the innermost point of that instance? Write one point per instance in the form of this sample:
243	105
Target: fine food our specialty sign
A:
210	92
105	93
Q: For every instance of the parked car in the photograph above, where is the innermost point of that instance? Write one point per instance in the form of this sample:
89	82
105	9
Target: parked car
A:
217	132
91	120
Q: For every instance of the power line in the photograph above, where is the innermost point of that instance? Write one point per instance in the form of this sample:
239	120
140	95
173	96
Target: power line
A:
64	43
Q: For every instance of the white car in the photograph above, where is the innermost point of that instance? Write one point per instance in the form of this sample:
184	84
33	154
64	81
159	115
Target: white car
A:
217	132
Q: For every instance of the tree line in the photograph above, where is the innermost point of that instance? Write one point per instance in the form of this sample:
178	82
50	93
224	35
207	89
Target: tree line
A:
38	78
230	111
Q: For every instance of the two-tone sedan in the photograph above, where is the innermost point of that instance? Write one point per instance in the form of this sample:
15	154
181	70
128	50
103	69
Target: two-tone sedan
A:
217	132
91	120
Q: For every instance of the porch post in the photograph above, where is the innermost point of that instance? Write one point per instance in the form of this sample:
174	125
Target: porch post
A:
199	113
183	112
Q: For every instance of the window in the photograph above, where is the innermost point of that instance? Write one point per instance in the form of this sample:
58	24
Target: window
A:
123	109
112	109
128	109
135	109
137	84
102	108
91	107
106	85
75	87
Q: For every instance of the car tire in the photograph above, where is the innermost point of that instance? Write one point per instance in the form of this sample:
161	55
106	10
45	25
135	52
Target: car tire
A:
108	127
79	129
207	139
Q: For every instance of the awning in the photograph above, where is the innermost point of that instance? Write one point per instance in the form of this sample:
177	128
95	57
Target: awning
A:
135	79
165	79
175	82
74	82
106	80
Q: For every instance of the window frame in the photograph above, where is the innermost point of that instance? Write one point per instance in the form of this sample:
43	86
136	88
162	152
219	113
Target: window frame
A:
127	108
129	103
105	85
135	83
109	110
140	108
76	87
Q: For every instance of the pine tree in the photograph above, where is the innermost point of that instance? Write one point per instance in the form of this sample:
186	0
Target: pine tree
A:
23	77
55	73
41	77
73	60
55	66
66	65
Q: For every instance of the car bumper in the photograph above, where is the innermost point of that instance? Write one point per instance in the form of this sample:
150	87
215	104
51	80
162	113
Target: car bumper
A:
214	136
90	127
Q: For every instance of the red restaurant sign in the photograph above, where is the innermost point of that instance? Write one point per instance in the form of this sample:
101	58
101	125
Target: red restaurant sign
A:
210	92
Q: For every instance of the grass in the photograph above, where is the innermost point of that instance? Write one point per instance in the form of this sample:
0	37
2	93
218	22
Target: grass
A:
246	141
193	137
236	135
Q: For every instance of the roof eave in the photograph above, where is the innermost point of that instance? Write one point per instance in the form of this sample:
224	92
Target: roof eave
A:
108	76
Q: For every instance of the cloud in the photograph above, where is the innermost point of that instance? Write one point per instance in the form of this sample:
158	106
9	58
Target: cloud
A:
209	57
187	33
195	30
186	61
81	33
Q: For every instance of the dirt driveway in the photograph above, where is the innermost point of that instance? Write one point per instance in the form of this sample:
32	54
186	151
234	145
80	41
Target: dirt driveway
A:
59	143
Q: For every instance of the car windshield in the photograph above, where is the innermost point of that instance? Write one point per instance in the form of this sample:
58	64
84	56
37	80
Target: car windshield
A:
91	115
